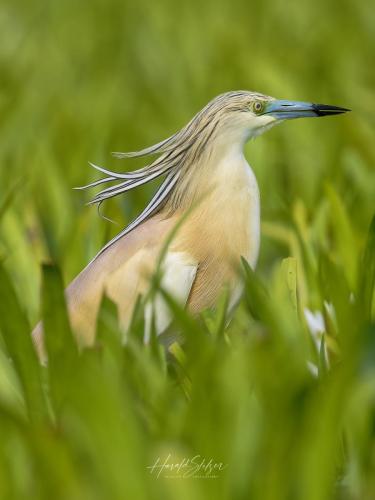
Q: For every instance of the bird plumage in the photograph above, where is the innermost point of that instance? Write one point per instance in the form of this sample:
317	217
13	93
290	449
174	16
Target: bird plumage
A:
209	185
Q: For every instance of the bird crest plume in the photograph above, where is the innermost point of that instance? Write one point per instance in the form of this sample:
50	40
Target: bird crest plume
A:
176	154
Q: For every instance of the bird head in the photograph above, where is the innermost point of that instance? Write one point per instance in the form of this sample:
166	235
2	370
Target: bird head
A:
248	114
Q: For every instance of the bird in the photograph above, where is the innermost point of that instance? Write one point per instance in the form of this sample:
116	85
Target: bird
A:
209	201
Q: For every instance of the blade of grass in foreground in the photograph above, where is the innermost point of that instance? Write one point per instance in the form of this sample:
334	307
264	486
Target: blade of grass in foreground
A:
367	273
17	338
61	347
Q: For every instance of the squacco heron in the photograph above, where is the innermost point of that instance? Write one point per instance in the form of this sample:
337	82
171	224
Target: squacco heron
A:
203	164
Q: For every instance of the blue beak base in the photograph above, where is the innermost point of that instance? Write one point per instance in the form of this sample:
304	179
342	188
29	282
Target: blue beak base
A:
285	110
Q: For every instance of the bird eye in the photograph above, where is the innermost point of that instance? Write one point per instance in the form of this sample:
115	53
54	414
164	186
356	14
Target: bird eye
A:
258	107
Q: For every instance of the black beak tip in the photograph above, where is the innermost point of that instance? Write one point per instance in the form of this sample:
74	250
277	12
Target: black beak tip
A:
326	110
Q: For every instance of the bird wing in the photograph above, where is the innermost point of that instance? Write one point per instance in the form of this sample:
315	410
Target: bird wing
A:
123	272
178	274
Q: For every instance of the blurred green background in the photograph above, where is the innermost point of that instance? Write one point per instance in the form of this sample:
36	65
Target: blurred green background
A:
81	79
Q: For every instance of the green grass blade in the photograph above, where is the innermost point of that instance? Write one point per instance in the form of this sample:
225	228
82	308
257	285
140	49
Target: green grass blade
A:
17	337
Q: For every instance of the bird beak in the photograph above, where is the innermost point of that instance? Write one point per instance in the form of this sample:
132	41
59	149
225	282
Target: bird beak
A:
284	110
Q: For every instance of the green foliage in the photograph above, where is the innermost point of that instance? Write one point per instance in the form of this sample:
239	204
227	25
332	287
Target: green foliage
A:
79	80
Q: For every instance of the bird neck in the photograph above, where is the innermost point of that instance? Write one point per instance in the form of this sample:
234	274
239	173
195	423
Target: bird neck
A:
218	173
223	193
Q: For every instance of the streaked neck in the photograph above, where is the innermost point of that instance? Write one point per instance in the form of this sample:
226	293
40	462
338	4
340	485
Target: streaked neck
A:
221	168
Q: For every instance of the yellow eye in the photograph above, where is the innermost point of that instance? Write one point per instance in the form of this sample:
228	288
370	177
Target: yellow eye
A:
258	107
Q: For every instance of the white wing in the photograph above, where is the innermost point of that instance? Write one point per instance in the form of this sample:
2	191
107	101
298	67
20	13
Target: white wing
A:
178	274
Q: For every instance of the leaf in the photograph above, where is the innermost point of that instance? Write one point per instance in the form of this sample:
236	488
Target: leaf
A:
17	337
345	240
367	273
58	337
256	295
108	334
9	197
289	270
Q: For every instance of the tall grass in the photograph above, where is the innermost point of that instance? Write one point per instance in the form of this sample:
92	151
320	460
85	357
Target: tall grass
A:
257	400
